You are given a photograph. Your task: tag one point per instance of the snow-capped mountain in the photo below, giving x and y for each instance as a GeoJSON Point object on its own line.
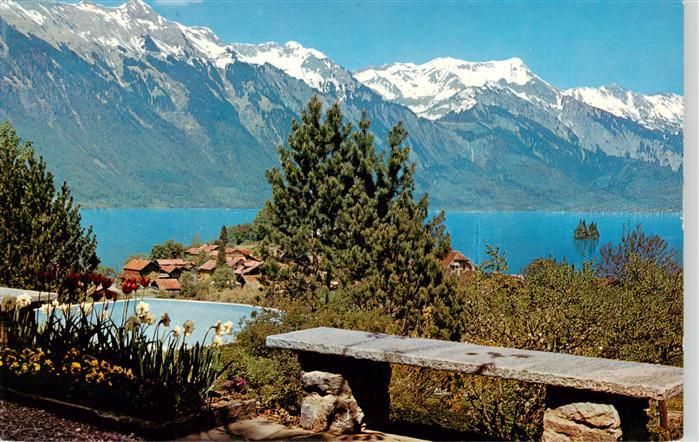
{"type": "Point", "coordinates": [661, 111]}
{"type": "Point", "coordinates": [120, 94]}
{"type": "Point", "coordinates": [134, 29]}
{"type": "Point", "coordinates": [425, 87]}
{"type": "Point", "coordinates": [309, 65]}
{"type": "Point", "coordinates": [445, 85]}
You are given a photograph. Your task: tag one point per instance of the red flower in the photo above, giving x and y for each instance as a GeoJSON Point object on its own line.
{"type": "Point", "coordinates": [107, 282]}
{"type": "Point", "coordinates": [129, 285]}
{"type": "Point", "coordinates": [145, 282]}
{"type": "Point", "coordinates": [110, 294]}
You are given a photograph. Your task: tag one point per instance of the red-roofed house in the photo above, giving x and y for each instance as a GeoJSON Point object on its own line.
{"type": "Point", "coordinates": [233, 262]}
{"type": "Point", "coordinates": [194, 251]}
{"type": "Point", "coordinates": [168, 284]}
{"type": "Point", "coordinates": [456, 263]}
{"type": "Point", "coordinates": [140, 268]}
{"type": "Point", "coordinates": [206, 270]}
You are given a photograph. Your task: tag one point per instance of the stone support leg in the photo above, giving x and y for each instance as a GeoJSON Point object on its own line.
{"type": "Point", "coordinates": [368, 381]}
{"type": "Point", "coordinates": [631, 411]}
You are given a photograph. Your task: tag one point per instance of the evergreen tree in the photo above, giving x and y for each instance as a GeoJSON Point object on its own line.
{"type": "Point", "coordinates": [497, 262]}
{"type": "Point", "coordinates": [345, 221]}
{"type": "Point", "coordinates": [580, 231]}
{"type": "Point", "coordinates": [223, 236]}
{"type": "Point", "coordinates": [41, 239]}
{"type": "Point", "coordinates": [221, 257]}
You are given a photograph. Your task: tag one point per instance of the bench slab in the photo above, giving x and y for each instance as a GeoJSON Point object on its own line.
{"type": "Point", "coordinates": [633, 379]}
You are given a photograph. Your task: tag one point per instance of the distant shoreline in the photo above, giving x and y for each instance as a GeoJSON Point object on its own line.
{"type": "Point", "coordinates": [432, 210]}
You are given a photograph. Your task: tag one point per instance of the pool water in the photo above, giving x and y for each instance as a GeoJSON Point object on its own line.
{"type": "Point", "coordinates": [204, 314]}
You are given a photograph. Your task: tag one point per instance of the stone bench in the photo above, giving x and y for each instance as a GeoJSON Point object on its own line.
{"type": "Point", "coordinates": [349, 364]}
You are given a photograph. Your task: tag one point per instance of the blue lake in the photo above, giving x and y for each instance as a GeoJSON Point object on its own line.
{"type": "Point", "coordinates": [522, 235]}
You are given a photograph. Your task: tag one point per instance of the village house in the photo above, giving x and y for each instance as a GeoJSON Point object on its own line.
{"type": "Point", "coordinates": [140, 268]}
{"type": "Point", "coordinates": [169, 285]}
{"type": "Point", "coordinates": [206, 270]}
{"type": "Point", "coordinates": [173, 268]}
{"type": "Point", "coordinates": [456, 263]}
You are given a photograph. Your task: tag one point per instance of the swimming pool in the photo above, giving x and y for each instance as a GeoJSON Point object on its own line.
{"type": "Point", "coordinates": [204, 314]}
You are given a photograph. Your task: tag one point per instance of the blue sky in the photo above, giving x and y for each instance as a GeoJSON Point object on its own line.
{"type": "Point", "coordinates": [573, 43]}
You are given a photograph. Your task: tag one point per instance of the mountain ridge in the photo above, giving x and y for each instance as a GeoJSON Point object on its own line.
{"type": "Point", "coordinates": [232, 103]}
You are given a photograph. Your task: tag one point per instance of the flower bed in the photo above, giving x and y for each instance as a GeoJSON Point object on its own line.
{"type": "Point", "coordinates": [136, 365]}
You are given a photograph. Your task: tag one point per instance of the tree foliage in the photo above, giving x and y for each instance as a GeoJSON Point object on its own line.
{"type": "Point", "coordinates": [586, 232]}
{"type": "Point", "coordinates": [168, 250]}
{"type": "Point", "coordinates": [345, 220]}
{"type": "Point", "coordinates": [497, 261]}
{"type": "Point", "coordinates": [41, 239]}
{"type": "Point", "coordinates": [615, 258]}
{"type": "Point", "coordinates": [240, 233]}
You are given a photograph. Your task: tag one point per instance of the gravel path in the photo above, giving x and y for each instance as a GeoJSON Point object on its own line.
{"type": "Point", "coordinates": [18, 422]}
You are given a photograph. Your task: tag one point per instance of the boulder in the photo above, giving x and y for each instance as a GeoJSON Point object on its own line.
{"type": "Point", "coordinates": [316, 411]}
{"type": "Point", "coordinates": [329, 404]}
{"type": "Point", "coordinates": [582, 421]}
{"type": "Point", "coordinates": [323, 382]}
{"type": "Point", "coordinates": [348, 416]}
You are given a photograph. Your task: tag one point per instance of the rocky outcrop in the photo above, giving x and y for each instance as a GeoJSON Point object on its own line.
{"type": "Point", "coordinates": [582, 421]}
{"type": "Point", "coordinates": [329, 404]}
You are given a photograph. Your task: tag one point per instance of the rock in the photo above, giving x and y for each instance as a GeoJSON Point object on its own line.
{"type": "Point", "coordinates": [240, 409]}
{"type": "Point", "coordinates": [323, 382]}
{"type": "Point", "coordinates": [316, 411]}
{"type": "Point", "coordinates": [329, 404]}
{"type": "Point", "coordinates": [582, 421]}
{"type": "Point", "coordinates": [347, 418]}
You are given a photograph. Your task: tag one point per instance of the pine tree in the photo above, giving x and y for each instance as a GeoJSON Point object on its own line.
{"type": "Point", "coordinates": [345, 220]}
{"type": "Point", "coordinates": [221, 257]}
{"type": "Point", "coordinates": [580, 231]}
{"type": "Point", "coordinates": [223, 236]}
{"type": "Point", "coordinates": [41, 238]}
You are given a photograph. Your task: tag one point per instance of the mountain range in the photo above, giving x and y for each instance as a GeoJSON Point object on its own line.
{"type": "Point", "coordinates": [136, 110]}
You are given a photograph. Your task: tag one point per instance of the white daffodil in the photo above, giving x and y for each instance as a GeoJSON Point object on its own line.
{"type": "Point", "coordinates": [228, 328]}
{"type": "Point", "coordinates": [23, 300]}
{"type": "Point", "coordinates": [54, 303]}
{"type": "Point", "coordinates": [142, 309]}
{"type": "Point", "coordinates": [65, 308]}
{"type": "Point", "coordinates": [165, 320]}
{"type": "Point", "coordinates": [217, 341]}
{"type": "Point", "coordinates": [9, 303]}
{"type": "Point", "coordinates": [177, 331]}
{"type": "Point", "coordinates": [149, 319]}
{"type": "Point", "coordinates": [188, 327]}
{"type": "Point", "coordinates": [131, 323]}
{"type": "Point", "coordinates": [218, 328]}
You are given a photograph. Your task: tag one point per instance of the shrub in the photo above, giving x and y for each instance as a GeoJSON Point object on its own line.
{"type": "Point", "coordinates": [223, 277]}
{"type": "Point", "coordinates": [616, 257]}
